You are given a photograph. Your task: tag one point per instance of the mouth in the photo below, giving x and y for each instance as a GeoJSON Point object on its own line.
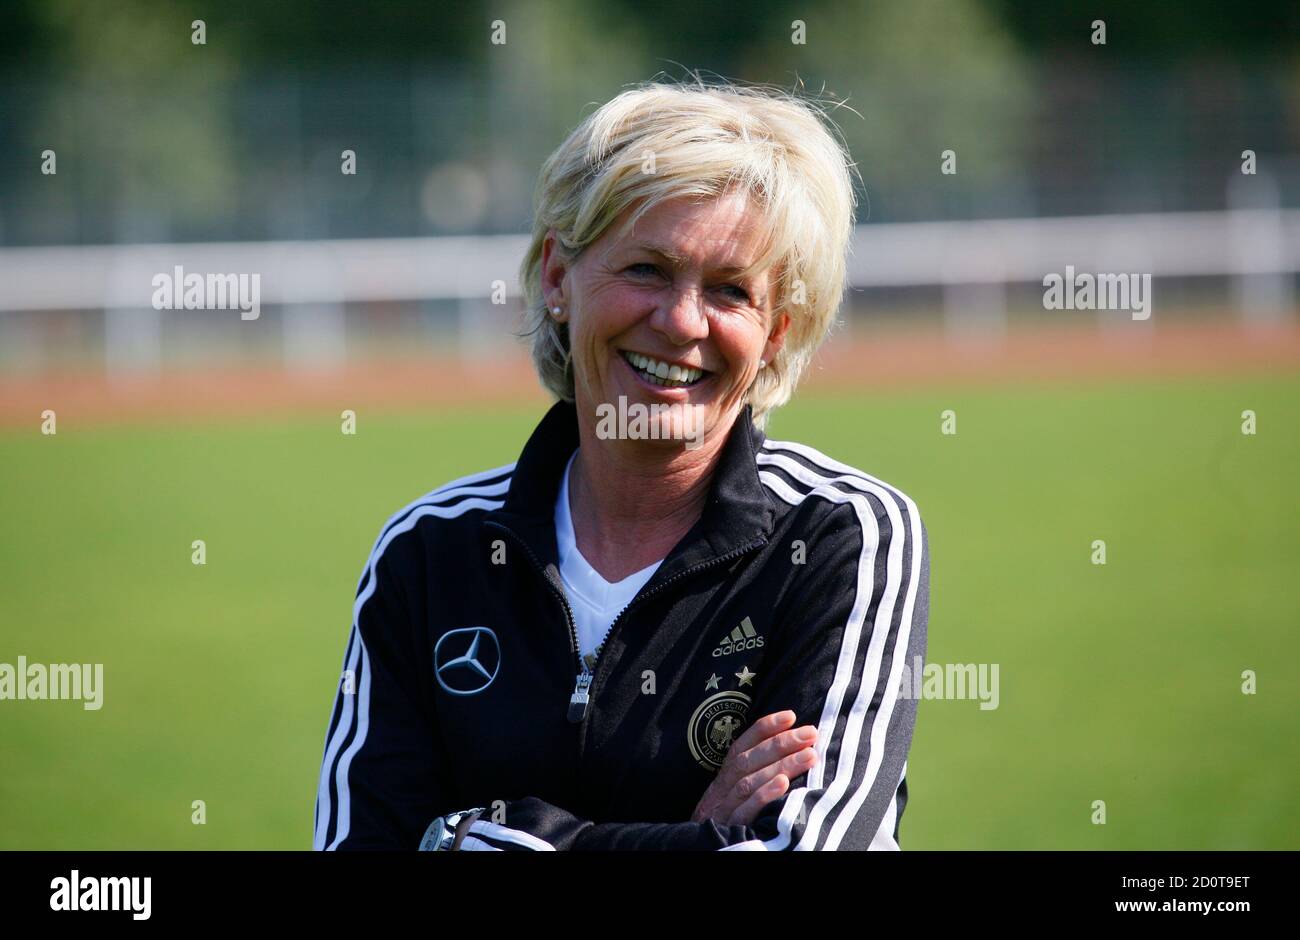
{"type": "Point", "coordinates": [663, 374]}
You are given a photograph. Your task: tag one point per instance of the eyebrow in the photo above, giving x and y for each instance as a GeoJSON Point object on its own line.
{"type": "Point", "coordinates": [666, 254]}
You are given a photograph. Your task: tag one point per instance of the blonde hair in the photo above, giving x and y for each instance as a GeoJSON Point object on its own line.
{"type": "Point", "coordinates": [704, 140]}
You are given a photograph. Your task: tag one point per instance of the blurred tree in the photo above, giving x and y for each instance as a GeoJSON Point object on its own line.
{"type": "Point", "coordinates": [309, 31]}
{"type": "Point", "coordinates": [1184, 30]}
{"type": "Point", "coordinates": [135, 107]}
{"type": "Point", "coordinates": [921, 79]}
{"type": "Point", "coordinates": [240, 137]}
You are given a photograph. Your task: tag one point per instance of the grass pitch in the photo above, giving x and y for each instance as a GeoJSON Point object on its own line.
{"type": "Point", "coordinates": [1119, 682]}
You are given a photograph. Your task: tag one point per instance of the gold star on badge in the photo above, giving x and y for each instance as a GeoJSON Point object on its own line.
{"type": "Point", "coordinates": [745, 676]}
{"type": "Point", "coordinates": [712, 683]}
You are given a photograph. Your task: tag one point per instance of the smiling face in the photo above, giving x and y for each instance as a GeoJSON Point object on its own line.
{"type": "Point", "coordinates": [660, 314]}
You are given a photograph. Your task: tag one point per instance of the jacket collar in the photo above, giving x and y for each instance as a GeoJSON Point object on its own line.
{"type": "Point", "coordinates": [737, 514]}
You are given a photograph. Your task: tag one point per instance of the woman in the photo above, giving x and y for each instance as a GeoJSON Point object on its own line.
{"type": "Point", "coordinates": [658, 629]}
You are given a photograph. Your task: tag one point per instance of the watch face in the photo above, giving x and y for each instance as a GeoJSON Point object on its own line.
{"type": "Point", "coordinates": [435, 837]}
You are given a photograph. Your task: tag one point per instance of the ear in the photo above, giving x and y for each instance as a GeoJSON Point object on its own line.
{"type": "Point", "coordinates": [553, 272]}
{"type": "Point", "coordinates": [776, 337]}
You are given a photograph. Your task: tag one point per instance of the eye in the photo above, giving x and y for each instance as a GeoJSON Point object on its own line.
{"type": "Point", "coordinates": [738, 292]}
{"type": "Point", "coordinates": [642, 269]}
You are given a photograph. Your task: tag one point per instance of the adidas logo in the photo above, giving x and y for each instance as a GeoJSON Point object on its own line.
{"type": "Point", "coordinates": [743, 637]}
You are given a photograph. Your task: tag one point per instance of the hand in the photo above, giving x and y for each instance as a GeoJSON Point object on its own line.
{"type": "Point", "coordinates": [467, 819]}
{"type": "Point", "coordinates": [758, 769]}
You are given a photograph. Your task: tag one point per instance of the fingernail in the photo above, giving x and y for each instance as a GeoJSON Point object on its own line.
{"type": "Point", "coordinates": [807, 756]}
{"type": "Point", "coordinates": [806, 734]}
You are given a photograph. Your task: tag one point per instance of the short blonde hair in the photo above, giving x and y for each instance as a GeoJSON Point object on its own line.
{"type": "Point", "coordinates": [704, 140]}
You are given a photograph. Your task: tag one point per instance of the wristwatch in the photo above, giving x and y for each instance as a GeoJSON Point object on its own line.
{"type": "Point", "coordinates": [441, 834]}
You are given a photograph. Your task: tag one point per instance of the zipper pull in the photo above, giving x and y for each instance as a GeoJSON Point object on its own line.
{"type": "Point", "coordinates": [578, 700]}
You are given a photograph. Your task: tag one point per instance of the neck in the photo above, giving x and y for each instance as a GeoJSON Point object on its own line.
{"type": "Point", "coordinates": [632, 501]}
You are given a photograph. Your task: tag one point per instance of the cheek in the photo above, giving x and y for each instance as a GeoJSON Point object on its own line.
{"type": "Point", "coordinates": [741, 344]}
{"type": "Point", "coordinates": [608, 311]}
{"type": "Point", "coordinates": [605, 313]}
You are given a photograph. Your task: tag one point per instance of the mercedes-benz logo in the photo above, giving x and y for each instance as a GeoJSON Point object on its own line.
{"type": "Point", "coordinates": [474, 669]}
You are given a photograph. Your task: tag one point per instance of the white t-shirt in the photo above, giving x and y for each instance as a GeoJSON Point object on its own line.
{"type": "Point", "coordinates": [595, 601]}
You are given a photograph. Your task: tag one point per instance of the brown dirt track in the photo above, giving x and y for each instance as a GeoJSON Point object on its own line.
{"type": "Point", "coordinates": [883, 359]}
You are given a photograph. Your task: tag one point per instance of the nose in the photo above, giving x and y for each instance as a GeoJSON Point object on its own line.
{"type": "Point", "coordinates": [681, 317]}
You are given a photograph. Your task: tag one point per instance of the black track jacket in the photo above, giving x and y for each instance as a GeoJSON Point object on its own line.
{"type": "Point", "coordinates": [804, 586]}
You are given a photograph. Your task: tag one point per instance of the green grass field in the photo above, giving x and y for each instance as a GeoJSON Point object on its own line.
{"type": "Point", "coordinates": [1119, 683]}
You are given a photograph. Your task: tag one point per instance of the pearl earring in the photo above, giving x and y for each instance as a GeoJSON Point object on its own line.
{"type": "Point", "coordinates": [555, 311]}
{"type": "Point", "coordinates": [762, 364]}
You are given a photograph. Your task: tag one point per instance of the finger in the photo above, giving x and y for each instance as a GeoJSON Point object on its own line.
{"type": "Point", "coordinates": [769, 744]}
{"type": "Point", "coordinates": [725, 805]}
{"type": "Point", "coordinates": [735, 765]}
{"type": "Point", "coordinates": [743, 773]}
{"type": "Point", "coordinates": [710, 802]}
{"type": "Point", "coordinates": [748, 811]}
{"type": "Point", "coordinates": [771, 750]}
{"type": "Point", "coordinates": [792, 766]}
{"type": "Point", "coordinates": [764, 728]}
{"type": "Point", "coordinates": [796, 765]}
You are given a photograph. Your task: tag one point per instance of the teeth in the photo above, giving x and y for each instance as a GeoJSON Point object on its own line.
{"type": "Point", "coordinates": [661, 373]}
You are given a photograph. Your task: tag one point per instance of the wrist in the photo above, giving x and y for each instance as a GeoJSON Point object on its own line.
{"type": "Point", "coordinates": [461, 827]}
{"type": "Point", "coordinates": [446, 833]}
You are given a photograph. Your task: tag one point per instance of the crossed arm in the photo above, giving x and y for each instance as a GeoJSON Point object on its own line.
{"type": "Point", "coordinates": [863, 615]}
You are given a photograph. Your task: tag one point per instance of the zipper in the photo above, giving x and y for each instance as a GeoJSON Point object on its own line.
{"type": "Point", "coordinates": [696, 569]}
{"type": "Point", "coordinates": [580, 699]}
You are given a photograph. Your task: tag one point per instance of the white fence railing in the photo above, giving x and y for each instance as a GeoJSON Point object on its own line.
{"type": "Point", "coordinates": [972, 261]}
{"type": "Point", "coordinates": [1002, 251]}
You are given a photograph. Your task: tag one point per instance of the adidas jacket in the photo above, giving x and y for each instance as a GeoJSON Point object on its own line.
{"type": "Point", "coordinates": [803, 586]}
